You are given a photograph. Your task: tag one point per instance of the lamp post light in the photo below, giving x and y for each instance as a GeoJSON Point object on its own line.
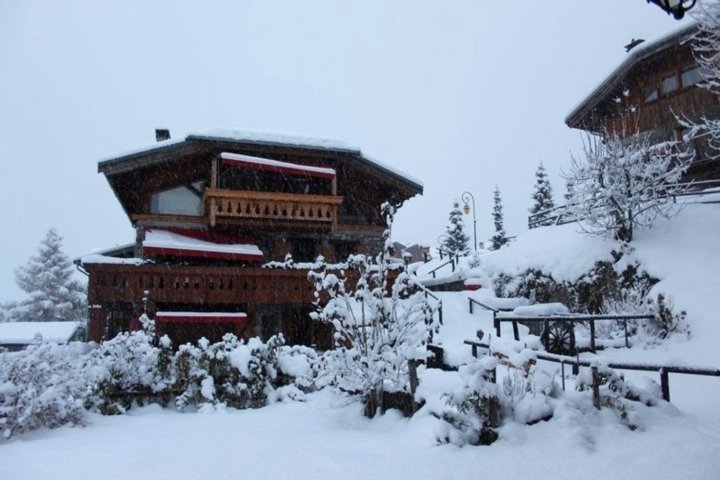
{"type": "Point", "coordinates": [676, 8]}
{"type": "Point", "coordinates": [466, 198]}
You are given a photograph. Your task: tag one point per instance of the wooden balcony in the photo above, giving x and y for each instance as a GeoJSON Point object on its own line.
{"type": "Point", "coordinates": [197, 285]}
{"type": "Point", "coordinates": [315, 210]}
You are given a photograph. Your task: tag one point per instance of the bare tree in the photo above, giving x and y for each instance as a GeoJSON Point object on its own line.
{"type": "Point", "coordinates": [624, 184]}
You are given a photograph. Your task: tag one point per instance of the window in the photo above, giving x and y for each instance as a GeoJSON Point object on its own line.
{"type": "Point", "coordinates": [669, 83]}
{"type": "Point", "coordinates": [651, 94]}
{"type": "Point", "coordinates": [690, 76]}
{"type": "Point", "coordinates": [185, 200]}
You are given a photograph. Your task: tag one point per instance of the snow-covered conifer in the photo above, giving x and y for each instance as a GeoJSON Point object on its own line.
{"type": "Point", "coordinates": [456, 241]}
{"type": "Point", "coordinates": [542, 196]}
{"type": "Point", "coordinates": [47, 279]}
{"type": "Point", "coordinates": [499, 238]}
{"type": "Point", "coordinates": [624, 184]}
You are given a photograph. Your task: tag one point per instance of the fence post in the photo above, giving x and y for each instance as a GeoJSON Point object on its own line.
{"type": "Point", "coordinates": [496, 324]}
{"type": "Point", "coordinates": [470, 305]}
{"type": "Point", "coordinates": [592, 336]}
{"type": "Point", "coordinates": [627, 344]}
{"type": "Point", "coordinates": [665, 384]}
{"type": "Point", "coordinates": [516, 332]}
{"type": "Point", "coordinates": [595, 386]}
{"type": "Point", "coordinates": [412, 370]}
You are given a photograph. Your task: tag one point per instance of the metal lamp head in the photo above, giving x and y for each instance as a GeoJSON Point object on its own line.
{"type": "Point", "coordinates": [676, 8]}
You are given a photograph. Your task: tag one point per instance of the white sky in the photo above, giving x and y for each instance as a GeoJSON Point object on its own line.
{"type": "Point", "coordinates": [461, 95]}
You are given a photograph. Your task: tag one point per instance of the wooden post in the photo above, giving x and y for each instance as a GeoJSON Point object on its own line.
{"type": "Point", "coordinates": [412, 370]}
{"type": "Point", "coordinates": [595, 386]}
{"type": "Point", "coordinates": [545, 338]}
{"type": "Point", "coordinates": [473, 347]}
{"type": "Point", "coordinates": [496, 324]}
{"type": "Point", "coordinates": [592, 336]}
{"type": "Point", "coordinates": [627, 344]}
{"type": "Point", "coordinates": [516, 332]}
{"type": "Point", "coordinates": [665, 384]}
{"type": "Point", "coordinates": [471, 305]}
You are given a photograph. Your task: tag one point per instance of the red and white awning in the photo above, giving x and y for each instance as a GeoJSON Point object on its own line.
{"type": "Point", "coordinates": [257, 163]}
{"type": "Point", "coordinates": [164, 242]}
{"type": "Point", "coordinates": [201, 317]}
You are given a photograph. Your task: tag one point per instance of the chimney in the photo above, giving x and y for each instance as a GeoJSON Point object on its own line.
{"type": "Point", "coordinates": [162, 134]}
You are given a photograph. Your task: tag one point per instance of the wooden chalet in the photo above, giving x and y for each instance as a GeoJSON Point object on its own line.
{"type": "Point", "coordinates": [212, 211]}
{"type": "Point", "coordinates": [645, 95]}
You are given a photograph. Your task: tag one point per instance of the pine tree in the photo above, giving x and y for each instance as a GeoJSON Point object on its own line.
{"type": "Point", "coordinates": [47, 279]}
{"type": "Point", "coordinates": [499, 238]}
{"type": "Point", "coordinates": [456, 241]}
{"type": "Point", "coordinates": [542, 196]}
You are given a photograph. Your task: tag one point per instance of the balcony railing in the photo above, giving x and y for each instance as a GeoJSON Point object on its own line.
{"type": "Point", "coordinates": [277, 206]}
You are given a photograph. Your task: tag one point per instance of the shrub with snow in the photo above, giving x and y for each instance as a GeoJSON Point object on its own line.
{"type": "Point", "coordinates": [41, 387]}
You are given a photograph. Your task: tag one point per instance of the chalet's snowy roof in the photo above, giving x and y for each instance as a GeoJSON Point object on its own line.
{"type": "Point", "coordinates": [24, 333]}
{"type": "Point", "coordinates": [270, 138]}
{"type": "Point", "coordinates": [276, 165]}
{"type": "Point", "coordinates": [169, 150]}
{"type": "Point", "coordinates": [610, 84]}
{"type": "Point", "coordinates": [163, 242]}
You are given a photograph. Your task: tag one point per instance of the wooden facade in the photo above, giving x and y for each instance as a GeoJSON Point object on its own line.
{"type": "Point", "coordinates": [211, 211]}
{"type": "Point", "coordinates": [646, 94]}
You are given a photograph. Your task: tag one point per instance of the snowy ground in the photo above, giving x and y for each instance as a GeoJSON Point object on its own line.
{"type": "Point", "coordinates": [327, 437]}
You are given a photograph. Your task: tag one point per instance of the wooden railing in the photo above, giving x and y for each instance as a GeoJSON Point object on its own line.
{"type": "Point", "coordinates": [277, 206]}
{"type": "Point", "coordinates": [197, 284]}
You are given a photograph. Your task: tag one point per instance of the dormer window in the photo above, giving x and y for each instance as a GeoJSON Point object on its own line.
{"type": "Point", "coordinates": [651, 94]}
{"type": "Point", "coordinates": [690, 76]}
{"type": "Point", "coordinates": [669, 83]}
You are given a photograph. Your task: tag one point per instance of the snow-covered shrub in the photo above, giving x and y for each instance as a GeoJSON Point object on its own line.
{"type": "Point", "coordinates": [533, 394]}
{"type": "Point", "coordinates": [376, 334]}
{"type": "Point", "coordinates": [472, 414]}
{"type": "Point", "coordinates": [125, 369]}
{"type": "Point", "coordinates": [42, 386]}
{"type": "Point", "coordinates": [665, 320]}
{"type": "Point", "coordinates": [620, 396]}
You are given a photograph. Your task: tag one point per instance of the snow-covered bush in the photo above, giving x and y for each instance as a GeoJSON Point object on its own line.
{"type": "Point", "coordinates": [472, 414]}
{"type": "Point", "coordinates": [128, 368]}
{"type": "Point", "coordinates": [376, 334]}
{"type": "Point", "coordinates": [42, 387]}
{"type": "Point", "coordinates": [620, 396]}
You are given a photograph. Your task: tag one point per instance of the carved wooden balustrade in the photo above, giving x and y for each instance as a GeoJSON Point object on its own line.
{"type": "Point", "coordinates": [276, 206]}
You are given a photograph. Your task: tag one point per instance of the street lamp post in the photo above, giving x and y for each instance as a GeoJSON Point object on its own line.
{"type": "Point", "coordinates": [466, 198]}
{"type": "Point", "coordinates": [676, 8]}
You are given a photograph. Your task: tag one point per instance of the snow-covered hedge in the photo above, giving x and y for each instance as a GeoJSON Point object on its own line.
{"type": "Point", "coordinates": [49, 385]}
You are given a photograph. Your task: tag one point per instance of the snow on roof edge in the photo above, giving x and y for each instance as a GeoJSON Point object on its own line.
{"type": "Point", "coordinates": [632, 57]}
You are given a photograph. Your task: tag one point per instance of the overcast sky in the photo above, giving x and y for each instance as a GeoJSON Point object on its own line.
{"type": "Point", "coordinates": [461, 95]}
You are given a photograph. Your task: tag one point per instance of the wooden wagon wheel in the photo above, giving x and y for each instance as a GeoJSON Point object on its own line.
{"type": "Point", "coordinates": [559, 337]}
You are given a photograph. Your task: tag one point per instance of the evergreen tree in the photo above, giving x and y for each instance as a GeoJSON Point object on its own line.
{"type": "Point", "coordinates": [542, 196]}
{"type": "Point", "coordinates": [499, 238]}
{"type": "Point", "coordinates": [456, 241]}
{"type": "Point", "coordinates": [47, 279]}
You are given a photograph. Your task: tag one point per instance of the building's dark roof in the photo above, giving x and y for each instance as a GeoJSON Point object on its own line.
{"type": "Point", "coordinates": [172, 150]}
{"type": "Point", "coordinates": [647, 51]}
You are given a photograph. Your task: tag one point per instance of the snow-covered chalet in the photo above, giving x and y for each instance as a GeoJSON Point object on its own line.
{"type": "Point", "coordinates": [213, 211]}
{"type": "Point", "coordinates": [656, 84]}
